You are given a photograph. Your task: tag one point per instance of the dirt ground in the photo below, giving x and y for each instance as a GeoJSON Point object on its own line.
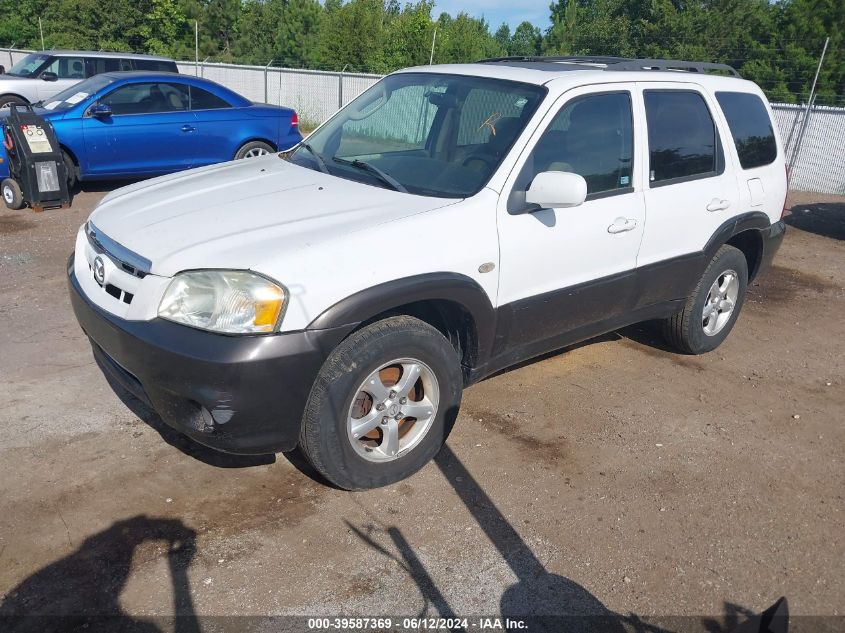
{"type": "Point", "coordinates": [614, 478]}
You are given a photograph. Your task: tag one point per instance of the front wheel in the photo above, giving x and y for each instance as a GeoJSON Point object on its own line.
{"type": "Point", "coordinates": [713, 308]}
{"type": "Point", "coordinates": [253, 149]}
{"type": "Point", "coordinates": [72, 171]}
{"type": "Point", "coordinates": [382, 405]}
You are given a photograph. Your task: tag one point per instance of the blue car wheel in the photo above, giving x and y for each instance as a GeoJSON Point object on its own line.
{"type": "Point", "coordinates": [253, 149]}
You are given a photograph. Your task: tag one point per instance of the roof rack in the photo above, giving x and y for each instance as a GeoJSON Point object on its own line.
{"type": "Point", "coordinates": [621, 63]}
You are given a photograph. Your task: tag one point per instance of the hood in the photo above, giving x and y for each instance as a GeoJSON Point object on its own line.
{"type": "Point", "coordinates": [42, 112]}
{"type": "Point", "coordinates": [243, 214]}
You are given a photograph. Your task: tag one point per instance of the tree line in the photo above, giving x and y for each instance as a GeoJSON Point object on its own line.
{"type": "Point", "coordinates": [776, 44]}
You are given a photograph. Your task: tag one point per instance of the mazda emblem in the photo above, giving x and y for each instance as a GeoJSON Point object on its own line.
{"type": "Point", "coordinates": [99, 270]}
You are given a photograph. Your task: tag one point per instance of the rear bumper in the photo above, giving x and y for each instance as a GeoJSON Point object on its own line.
{"type": "Point", "coordinates": [238, 394]}
{"type": "Point", "coordinates": [772, 239]}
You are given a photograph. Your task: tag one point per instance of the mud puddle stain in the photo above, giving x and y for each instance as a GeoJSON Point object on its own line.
{"type": "Point", "coordinates": [551, 452]}
{"type": "Point", "coordinates": [15, 224]}
{"type": "Point", "coordinates": [779, 284]}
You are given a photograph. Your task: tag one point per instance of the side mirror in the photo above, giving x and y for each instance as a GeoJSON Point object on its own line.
{"type": "Point", "coordinates": [100, 110]}
{"type": "Point", "coordinates": [48, 76]}
{"type": "Point", "coordinates": [557, 190]}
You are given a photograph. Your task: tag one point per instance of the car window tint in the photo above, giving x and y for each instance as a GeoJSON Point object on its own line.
{"type": "Point", "coordinates": [99, 65]}
{"type": "Point", "coordinates": [204, 100]}
{"type": "Point", "coordinates": [154, 65]}
{"type": "Point", "coordinates": [751, 128]}
{"type": "Point", "coordinates": [591, 136]}
{"type": "Point", "coordinates": [147, 98]}
{"type": "Point", "coordinates": [67, 67]}
{"type": "Point", "coordinates": [682, 138]}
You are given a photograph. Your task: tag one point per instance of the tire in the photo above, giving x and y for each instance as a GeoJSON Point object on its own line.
{"type": "Point", "coordinates": [12, 195]}
{"type": "Point", "coordinates": [72, 171]}
{"type": "Point", "coordinates": [254, 149]}
{"type": "Point", "coordinates": [338, 400]}
{"type": "Point", "coordinates": [693, 331]}
{"type": "Point", "coordinates": [8, 100]}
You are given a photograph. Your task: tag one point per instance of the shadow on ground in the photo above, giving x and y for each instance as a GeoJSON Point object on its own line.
{"type": "Point", "coordinates": [541, 600]}
{"type": "Point", "coordinates": [821, 218]}
{"type": "Point", "coordinates": [82, 590]}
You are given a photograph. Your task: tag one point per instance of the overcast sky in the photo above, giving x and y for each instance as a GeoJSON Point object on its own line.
{"type": "Point", "coordinates": [498, 11]}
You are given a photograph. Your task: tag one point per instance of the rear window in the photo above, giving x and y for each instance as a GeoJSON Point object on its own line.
{"type": "Point", "coordinates": [751, 128]}
{"type": "Point", "coordinates": [683, 142]}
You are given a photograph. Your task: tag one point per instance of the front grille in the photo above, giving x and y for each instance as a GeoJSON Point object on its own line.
{"type": "Point", "coordinates": [114, 291]}
{"type": "Point", "coordinates": [127, 262]}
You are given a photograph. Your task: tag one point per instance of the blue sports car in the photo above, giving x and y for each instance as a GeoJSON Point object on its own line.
{"type": "Point", "coordinates": [140, 124]}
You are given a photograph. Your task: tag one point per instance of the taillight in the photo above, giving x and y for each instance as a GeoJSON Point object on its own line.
{"type": "Point", "coordinates": [294, 120]}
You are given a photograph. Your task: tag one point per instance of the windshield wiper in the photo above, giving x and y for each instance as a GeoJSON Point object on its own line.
{"type": "Point", "coordinates": [321, 162]}
{"type": "Point", "coordinates": [386, 178]}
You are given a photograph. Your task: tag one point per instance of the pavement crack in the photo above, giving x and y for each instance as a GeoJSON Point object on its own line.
{"type": "Point", "coordinates": [67, 530]}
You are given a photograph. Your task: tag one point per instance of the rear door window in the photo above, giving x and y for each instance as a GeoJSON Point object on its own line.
{"type": "Point", "coordinates": [751, 128]}
{"type": "Point", "coordinates": [683, 141]}
{"type": "Point", "coordinates": [99, 65]}
{"type": "Point", "coordinates": [155, 65]}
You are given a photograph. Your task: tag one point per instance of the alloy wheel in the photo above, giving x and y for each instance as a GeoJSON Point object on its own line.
{"type": "Point", "coordinates": [393, 410]}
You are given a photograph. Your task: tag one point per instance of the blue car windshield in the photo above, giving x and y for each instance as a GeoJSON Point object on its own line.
{"type": "Point", "coordinates": [430, 134]}
{"type": "Point", "coordinates": [77, 93]}
{"type": "Point", "coordinates": [29, 65]}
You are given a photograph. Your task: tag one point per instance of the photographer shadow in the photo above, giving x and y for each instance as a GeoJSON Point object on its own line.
{"type": "Point", "coordinates": [82, 590]}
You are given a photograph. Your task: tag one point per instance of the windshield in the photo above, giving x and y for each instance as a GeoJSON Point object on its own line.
{"type": "Point", "coordinates": [424, 133]}
{"type": "Point", "coordinates": [77, 93]}
{"type": "Point", "coordinates": [29, 65]}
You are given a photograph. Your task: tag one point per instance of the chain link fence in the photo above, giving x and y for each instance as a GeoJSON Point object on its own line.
{"type": "Point", "coordinates": [814, 139]}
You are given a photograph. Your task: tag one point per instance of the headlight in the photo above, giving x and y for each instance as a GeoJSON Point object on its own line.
{"type": "Point", "coordinates": [228, 301]}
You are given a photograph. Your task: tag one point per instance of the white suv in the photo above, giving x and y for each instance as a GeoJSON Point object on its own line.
{"type": "Point", "coordinates": [449, 222]}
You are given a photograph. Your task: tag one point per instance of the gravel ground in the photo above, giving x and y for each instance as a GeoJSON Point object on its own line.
{"type": "Point", "coordinates": [614, 478]}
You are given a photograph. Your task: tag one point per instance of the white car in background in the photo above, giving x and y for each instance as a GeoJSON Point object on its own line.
{"type": "Point", "coordinates": [39, 76]}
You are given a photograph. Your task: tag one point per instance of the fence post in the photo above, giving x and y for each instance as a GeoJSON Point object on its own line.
{"type": "Point", "coordinates": [266, 87]}
{"type": "Point", "coordinates": [340, 87]}
{"type": "Point", "coordinates": [810, 102]}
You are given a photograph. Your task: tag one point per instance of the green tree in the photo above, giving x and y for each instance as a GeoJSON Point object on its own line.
{"type": "Point", "coordinates": [503, 38]}
{"type": "Point", "coordinates": [526, 41]}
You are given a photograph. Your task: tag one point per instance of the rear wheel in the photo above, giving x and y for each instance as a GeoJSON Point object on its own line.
{"type": "Point", "coordinates": [7, 100]}
{"type": "Point", "coordinates": [711, 312]}
{"type": "Point", "coordinates": [253, 149]}
{"type": "Point", "coordinates": [383, 404]}
{"type": "Point", "coordinates": [12, 195]}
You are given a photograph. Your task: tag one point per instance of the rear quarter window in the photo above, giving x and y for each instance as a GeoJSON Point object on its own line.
{"type": "Point", "coordinates": [751, 128]}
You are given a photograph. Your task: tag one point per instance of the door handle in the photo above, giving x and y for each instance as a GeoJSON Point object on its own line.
{"type": "Point", "coordinates": [188, 128]}
{"type": "Point", "coordinates": [621, 225]}
{"type": "Point", "coordinates": [718, 205]}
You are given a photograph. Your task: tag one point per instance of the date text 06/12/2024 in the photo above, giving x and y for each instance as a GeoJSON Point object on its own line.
{"type": "Point", "coordinates": [416, 624]}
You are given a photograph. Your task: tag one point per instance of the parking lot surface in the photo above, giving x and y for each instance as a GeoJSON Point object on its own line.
{"type": "Point", "coordinates": [616, 477]}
